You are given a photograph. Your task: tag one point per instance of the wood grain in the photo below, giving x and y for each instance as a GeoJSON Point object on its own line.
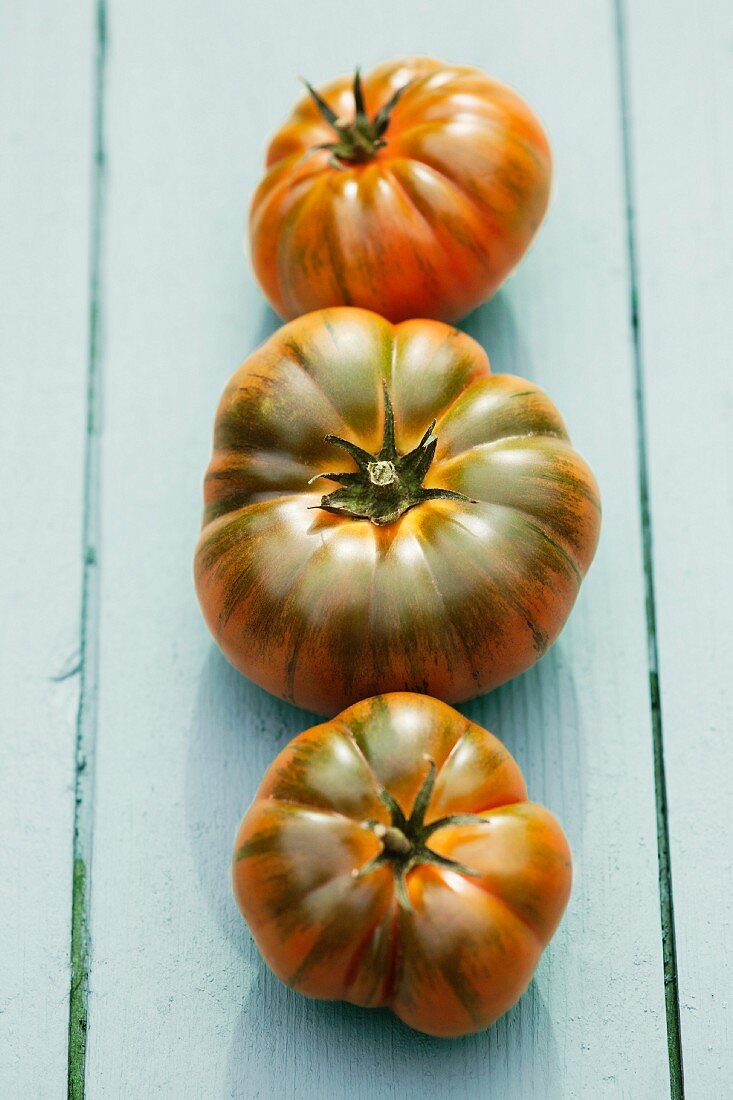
{"type": "Point", "coordinates": [45, 155]}
{"type": "Point", "coordinates": [681, 87]}
{"type": "Point", "coordinates": [180, 1003]}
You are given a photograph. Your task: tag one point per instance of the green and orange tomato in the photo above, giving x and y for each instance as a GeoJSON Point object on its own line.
{"type": "Point", "coordinates": [382, 513]}
{"type": "Point", "coordinates": [391, 858]}
{"type": "Point", "coordinates": [414, 193]}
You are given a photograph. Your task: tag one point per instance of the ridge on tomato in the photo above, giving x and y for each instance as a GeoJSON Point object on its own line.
{"type": "Point", "coordinates": [414, 193]}
{"type": "Point", "coordinates": [391, 858]}
{"type": "Point", "coordinates": [447, 551]}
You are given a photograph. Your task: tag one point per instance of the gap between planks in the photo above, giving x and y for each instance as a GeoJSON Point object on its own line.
{"type": "Point", "coordinates": [86, 722]}
{"type": "Point", "coordinates": [666, 897]}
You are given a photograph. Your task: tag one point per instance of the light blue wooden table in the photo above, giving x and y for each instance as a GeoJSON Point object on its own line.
{"type": "Point", "coordinates": [132, 137]}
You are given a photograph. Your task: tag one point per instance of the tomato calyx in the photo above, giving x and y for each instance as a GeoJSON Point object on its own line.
{"type": "Point", "coordinates": [360, 140]}
{"type": "Point", "coordinates": [404, 841]}
{"type": "Point", "coordinates": [386, 484]}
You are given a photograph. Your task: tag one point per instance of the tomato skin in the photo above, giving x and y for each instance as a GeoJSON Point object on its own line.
{"type": "Point", "coordinates": [431, 226]}
{"type": "Point", "coordinates": [453, 598]}
{"type": "Point", "coordinates": [463, 949]}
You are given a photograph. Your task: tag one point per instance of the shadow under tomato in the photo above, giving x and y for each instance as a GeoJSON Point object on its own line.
{"type": "Point", "coordinates": [286, 1045]}
{"type": "Point", "coordinates": [237, 730]}
{"type": "Point", "coordinates": [494, 327]}
{"type": "Point", "coordinates": [269, 323]}
{"type": "Point", "coordinates": [538, 717]}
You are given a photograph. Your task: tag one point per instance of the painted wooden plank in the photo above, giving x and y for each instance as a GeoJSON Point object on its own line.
{"type": "Point", "coordinates": [681, 86]}
{"type": "Point", "coordinates": [46, 57]}
{"type": "Point", "coordinates": [180, 1004]}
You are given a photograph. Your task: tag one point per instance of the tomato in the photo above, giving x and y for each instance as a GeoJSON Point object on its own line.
{"type": "Point", "coordinates": [390, 857]}
{"type": "Point", "coordinates": [414, 194]}
{"type": "Point", "coordinates": [450, 546]}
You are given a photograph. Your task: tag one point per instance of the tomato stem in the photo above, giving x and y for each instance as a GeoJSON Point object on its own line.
{"type": "Point", "coordinates": [393, 839]}
{"type": "Point", "coordinates": [404, 841]}
{"type": "Point", "coordinates": [359, 140]}
{"type": "Point", "coordinates": [386, 485]}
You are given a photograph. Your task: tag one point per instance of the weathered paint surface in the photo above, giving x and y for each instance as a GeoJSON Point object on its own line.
{"type": "Point", "coordinates": [46, 71]}
{"type": "Point", "coordinates": [179, 1002]}
{"type": "Point", "coordinates": [681, 81]}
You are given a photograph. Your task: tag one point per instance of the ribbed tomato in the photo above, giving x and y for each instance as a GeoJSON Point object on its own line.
{"type": "Point", "coordinates": [452, 552]}
{"type": "Point", "coordinates": [414, 194]}
{"type": "Point", "coordinates": [391, 857]}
